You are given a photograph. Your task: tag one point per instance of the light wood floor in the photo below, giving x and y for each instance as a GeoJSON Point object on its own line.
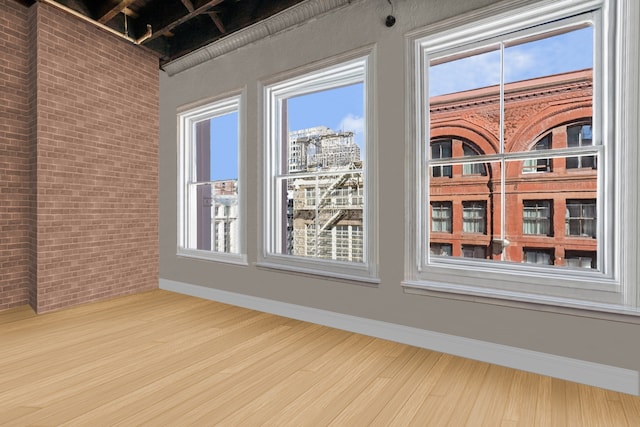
{"type": "Point", "coordinates": [160, 358]}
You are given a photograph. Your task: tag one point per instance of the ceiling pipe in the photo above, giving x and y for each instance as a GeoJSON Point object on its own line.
{"type": "Point", "coordinates": [99, 24]}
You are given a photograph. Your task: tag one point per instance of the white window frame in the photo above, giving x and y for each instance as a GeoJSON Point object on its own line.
{"type": "Point", "coordinates": [343, 70]}
{"type": "Point", "coordinates": [615, 110]}
{"type": "Point", "coordinates": [188, 116]}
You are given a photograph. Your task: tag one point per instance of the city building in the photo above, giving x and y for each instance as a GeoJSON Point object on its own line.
{"type": "Point", "coordinates": [550, 203]}
{"type": "Point", "coordinates": [325, 215]}
{"type": "Point", "coordinates": [223, 203]}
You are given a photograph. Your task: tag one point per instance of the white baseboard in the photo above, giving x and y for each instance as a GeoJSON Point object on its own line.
{"type": "Point", "coordinates": [580, 371]}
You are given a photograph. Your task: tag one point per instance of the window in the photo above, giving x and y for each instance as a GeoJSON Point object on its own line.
{"type": "Point", "coordinates": [581, 218]}
{"type": "Point", "coordinates": [539, 165]}
{"type": "Point", "coordinates": [342, 242]}
{"type": "Point", "coordinates": [580, 259]}
{"type": "Point", "coordinates": [318, 191]}
{"type": "Point", "coordinates": [441, 150]}
{"type": "Point", "coordinates": [349, 242]}
{"type": "Point", "coordinates": [441, 249]}
{"type": "Point", "coordinates": [570, 96]}
{"type": "Point", "coordinates": [474, 251]}
{"type": "Point", "coordinates": [441, 217]}
{"type": "Point", "coordinates": [580, 136]}
{"type": "Point", "coordinates": [474, 217]}
{"type": "Point", "coordinates": [538, 256]}
{"type": "Point", "coordinates": [210, 195]}
{"type": "Point", "coordinates": [536, 218]}
{"type": "Point", "coordinates": [472, 168]}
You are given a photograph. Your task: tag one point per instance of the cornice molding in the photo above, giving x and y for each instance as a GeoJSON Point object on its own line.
{"type": "Point", "coordinates": [283, 21]}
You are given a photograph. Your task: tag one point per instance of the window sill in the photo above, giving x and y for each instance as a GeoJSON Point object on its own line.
{"type": "Point", "coordinates": [235, 259]}
{"type": "Point", "coordinates": [309, 271]}
{"type": "Point", "coordinates": [524, 301]}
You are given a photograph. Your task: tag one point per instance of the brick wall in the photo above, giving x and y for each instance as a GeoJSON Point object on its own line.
{"type": "Point", "coordinates": [97, 163]}
{"type": "Point", "coordinates": [81, 163]}
{"type": "Point", "coordinates": [14, 155]}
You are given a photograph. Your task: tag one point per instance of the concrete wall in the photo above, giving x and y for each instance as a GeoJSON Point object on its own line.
{"type": "Point", "coordinates": [81, 161]}
{"type": "Point", "coordinates": [574, 335]}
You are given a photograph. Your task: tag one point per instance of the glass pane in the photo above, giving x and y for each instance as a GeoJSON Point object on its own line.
{"type": "Point", "coordinates": [470, 72]}
{"type": "Point", "coordinates": [537, 217]}
{"type": "Point", "coordinates": [548, 55]}
{"type": "Point", "coordinates": [464, 212]}
{"type": "Point", "coordinates": [539, 165]}
{"type": "Point", "coordinates": [325, 216]}
{"type": "Point", "coordinates": [474, 217]}
{"type": "Point", "coordinates": [213, 199]}
{"type": "Point", "coordinates": [580, 135]}
{"type": "Point", "coordinates": [213, 211]}
{"type": "Point", "coordinates": [326, 130]}
{"type": "Point", "coordinates": [224, 147]}
{"type": "Point", "coordinates": [548, 83]}
{"type": "Point", "coordinates": [550, 216]}
{"type": "Point", "coordinates": [464, 108]}
{"type": "Point", "coordinates": [441, 217]}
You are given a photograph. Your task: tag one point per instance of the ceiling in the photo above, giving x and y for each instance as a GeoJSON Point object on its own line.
{"type": "Point", "coordinates": [178, 27]}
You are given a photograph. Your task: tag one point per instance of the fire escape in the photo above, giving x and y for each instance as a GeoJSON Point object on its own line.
{"type": "Point", "coordinates": [323, 201]}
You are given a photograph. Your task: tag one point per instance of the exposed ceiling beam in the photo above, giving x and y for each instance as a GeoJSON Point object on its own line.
{"type": "Point", "coordinates": [216, 20]}
{"type": "Point", "coordinates": [130, 13]}
{"type": "Point", "coordinates": [188, 4]}
{"type": "Point", "coordinates": [111, 13]}
{"type": "Point", "coordinates": [173, 24]}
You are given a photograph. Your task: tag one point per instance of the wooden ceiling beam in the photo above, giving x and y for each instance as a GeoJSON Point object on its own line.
{"type": "Point", "coordinates": [188, 4]}
{"type": "Point", "coordinates": [216, 20]}
{"type": "Point", "coordinates": [130, 13]}
{"type": "Point", "coordinates": [111, 13]}
{"type": "Point", "coordinates": [158, 32]}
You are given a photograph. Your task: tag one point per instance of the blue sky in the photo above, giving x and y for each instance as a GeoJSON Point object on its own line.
{"type": "Point", "coordinates": [558, 54]}
{"type": "Point", "coordinates": [339, 109]}
{"type": "Point", "coordinates": [224, 147]}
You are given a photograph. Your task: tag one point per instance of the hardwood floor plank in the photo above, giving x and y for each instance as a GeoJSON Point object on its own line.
{"type": "Point", "coordinates": [429, 377]}
{"type": "Point", "coordinates": [334, 365]}
{"type": "Point", "coordinates": [405, 384]}
{"type": "Point", "coordinates": [521, 405]}
{"type": "Point", "coordinates": [492, 399]}
{"type": "Point", "coordinates": [573, 405]}
{"type": "Point", "coordinates": [160, 358]}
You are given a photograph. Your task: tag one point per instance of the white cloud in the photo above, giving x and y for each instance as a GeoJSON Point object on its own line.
{"type": "Point", "coordinates": [465, 74]}
{"type": "Point", "coordinates": [520, 62]}
{"type": "Point", "coordinates": [552, 55]}
{"type": "Point", "coordinates": [352, 123]}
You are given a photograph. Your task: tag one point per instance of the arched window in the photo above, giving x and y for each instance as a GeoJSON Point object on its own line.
{"type": "Point", "coordinates": [472, 168]}
{"type": "Point", "coordinates": [580, 136]}
{"type": "Point", "coordinates": [441, 150]}
{"type": "Point", "coordinates": [539, 165]}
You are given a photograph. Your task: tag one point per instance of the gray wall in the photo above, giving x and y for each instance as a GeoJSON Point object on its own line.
{"type": "Point", "coordinates": [576, 335]}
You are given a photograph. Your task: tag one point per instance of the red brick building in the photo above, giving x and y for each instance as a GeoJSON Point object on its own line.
{"type": "Point", "coordinates": [549, 203]}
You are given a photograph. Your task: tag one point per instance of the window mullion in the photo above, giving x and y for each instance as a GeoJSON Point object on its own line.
{"type": "Point", "coordinates": [503, 168]}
